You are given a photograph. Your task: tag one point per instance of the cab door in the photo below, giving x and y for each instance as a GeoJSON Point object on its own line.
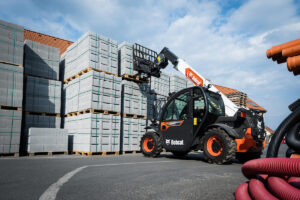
{"type": "Point", "coordinates": [176, 124]}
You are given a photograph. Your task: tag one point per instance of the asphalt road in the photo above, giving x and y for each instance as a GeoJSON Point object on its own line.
{"type": "Point", "coordinates": [117, 177]}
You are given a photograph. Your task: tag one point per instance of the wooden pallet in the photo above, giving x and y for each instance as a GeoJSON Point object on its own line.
{"type": "Point", "coordinates": [135, 78]}
{"type": "Point", "coordinates": [10, 63]}
{"type": "Point", "coordinates": [130, 152]}
{"type": "Point", "coordinates": [48, 153]}
{"type": "Point", "coordinates": [104, 153]}
{"type": "Point", "coordinates": [134, 116]}
{"type": "Point", "coordinates": [43, 114]}
{"type": "Point", "coordinates": [92, 110]}
{"type": "Point", "coordinates": [9, 154]}
{"type": "Point", "coordinates": [84, 71]}
{"type": "Point", "coordinates": [10, 108]}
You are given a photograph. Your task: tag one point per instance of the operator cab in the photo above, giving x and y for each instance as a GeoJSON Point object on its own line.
{"type": "Point", "coordinates": [184, 114]}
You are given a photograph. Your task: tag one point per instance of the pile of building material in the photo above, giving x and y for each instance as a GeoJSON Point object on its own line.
{"type": "Point", "coordinates": [126, 59]}
{"type": "Point", "coordinates": [93, 90]}
{"type": "Point", "coordinates": [94, 133]}
{"type": "Point", "coordinates": [93, 96]}
{"type": "Point", "coordinates": [134, 101]}
{"type": "Point", "coordinates": [41, 60]}
{"type": "Point", "coordinates": [11, 43]}
{"type": "Point", "coordinates": [11, 86]}
{"type": "Point", "coordinates": [161, 85]}
{"type": "Point", "coordinates": [239, 98]}
{"type": "Point", "coordinates": [10, 131]}
{"type": "Point", "coordinates": [94, 51]}
{"type": "Point", "coordinates": [47, 140]}
{"type": "Point", "coordinates": [132, 130]}
{"type": "Point", "coordinates": [177, 83]}
{"type": "Point", "coordinates": [42, 97]}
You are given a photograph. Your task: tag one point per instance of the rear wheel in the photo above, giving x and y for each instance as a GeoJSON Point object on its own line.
{"type": "Point", "coordinates": [218, 148]}
{"type": "Point", "coordinates": [151, 145]}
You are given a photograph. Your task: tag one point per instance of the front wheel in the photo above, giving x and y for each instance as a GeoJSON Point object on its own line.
{"type": "Point", "coordinates": [218, 148]}
{"type": "Point", "coordinates": [151, 145]}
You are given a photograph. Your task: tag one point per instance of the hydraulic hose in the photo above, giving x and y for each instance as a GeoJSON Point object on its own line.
{"type": "Point", "coordinates": [280, 132]}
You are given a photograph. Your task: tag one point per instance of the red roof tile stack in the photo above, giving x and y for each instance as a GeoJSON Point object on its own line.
{"type": "Point", "coordinates": [250, 103]}
{"type": "Point", "coordinates": [287, 52]}
{"type": "Point", "coordinates": [47, 40]}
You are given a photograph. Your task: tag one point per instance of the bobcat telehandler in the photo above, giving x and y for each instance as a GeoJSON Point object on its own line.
{"type": "Point", "coordinates": [199, 117]}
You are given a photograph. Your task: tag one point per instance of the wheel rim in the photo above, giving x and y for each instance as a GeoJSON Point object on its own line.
{"type": "Point", "coordinates": [148, 144]}
{"type": "Point", "coordinates": [214, 146]}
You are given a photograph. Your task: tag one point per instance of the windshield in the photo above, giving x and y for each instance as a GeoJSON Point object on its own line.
{"type": "Point", "coordinates": [215, 104]}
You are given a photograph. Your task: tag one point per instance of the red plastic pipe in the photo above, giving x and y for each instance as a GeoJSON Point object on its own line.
{"type": "Point", "coordinates": [258, 191]}
{"type": "Point", "coordinates": [294, 181]}
{"type": "Point", "coordinates": [282, 189]}
{"type": "Point", "coordinates": [272, 167]}
{"type": "Point", "coordinates": [242, 193]}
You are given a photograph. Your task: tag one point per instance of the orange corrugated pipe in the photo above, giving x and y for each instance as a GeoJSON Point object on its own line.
{"type": "Point", "coordinates": [292, 51]}
{"type": "Point", "coordinates": [277, 49]}
{"type": "Point", "coordinates": [293, 63]}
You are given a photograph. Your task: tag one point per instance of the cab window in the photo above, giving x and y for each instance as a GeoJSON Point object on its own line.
{"type": "Point", "coordinates": [178, 109]}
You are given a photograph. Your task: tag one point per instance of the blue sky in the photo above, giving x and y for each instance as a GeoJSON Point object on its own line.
{"type": "Point", "coordinates": [224, 40]}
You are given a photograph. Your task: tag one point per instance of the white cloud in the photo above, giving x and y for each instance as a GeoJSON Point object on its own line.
{"type": "Point", "coordinates": [229, 48]}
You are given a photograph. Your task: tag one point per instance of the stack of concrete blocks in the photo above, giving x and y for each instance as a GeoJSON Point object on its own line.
{"type": "Point", "coordinates": [10, 131]}
{"type": "Point", "coordinates": [41, 60]}
{"type": "Point", "coordinates": [47, 140]}
{"type": "Point", "coordinates": [43, 89]}
{"type": "Point", "coordinates": [93, 132]}
{"type": "Point", "coordinates": [132, 131]}
{"type": "Point", "coordinates": [11, 86]}
{"type": "Point", "coordinates": [177, 83]}
{"type": "Point", "coordinates": [42, 95]}
{"type": "Point", "coordinates": [161, 86]}
{"type": "Point", "coordinates": [92, 50]}
{"type": "Point", "coordinates": [126, 59]}
{"type": "Point", "coordinates": [11, 43]}
{"type": "Point", "coordinates": [96, 90]}
{"type": "Point", "coordinates": [134, 98]}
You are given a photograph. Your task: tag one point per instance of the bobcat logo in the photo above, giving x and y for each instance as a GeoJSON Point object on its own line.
{"type": "Point", "coordinates": [168, 141]}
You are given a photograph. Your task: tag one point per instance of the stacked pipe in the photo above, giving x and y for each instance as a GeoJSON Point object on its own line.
{"type": "Point", "coordinates": [11, 86]}
{"type": "Point", "coordinates": [92, 95]}
{"type": "Point", "coordinates": [270, 178]}
{"type": "Point", "coordinates": [42, 93]}
{"type": "Point", "coordinates": [287, 52]}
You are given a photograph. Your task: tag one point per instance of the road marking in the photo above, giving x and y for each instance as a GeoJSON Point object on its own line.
{"type": "Point", "coordinates": [51, 192]}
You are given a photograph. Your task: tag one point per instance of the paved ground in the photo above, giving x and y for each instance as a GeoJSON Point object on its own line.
{"type": "Point", "coordinates": [117, 177]}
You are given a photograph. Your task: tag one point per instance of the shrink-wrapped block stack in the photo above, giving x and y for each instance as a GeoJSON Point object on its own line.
{"type": "Point", "coordinates": [47, 140]}
{"type": "Point", "coordinates": [94, 132]}
{"type": "Point", "coordinates": [11, 86]}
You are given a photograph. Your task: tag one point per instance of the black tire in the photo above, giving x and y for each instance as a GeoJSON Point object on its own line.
{"type": "Point", "coordinates": [221, 150]}
{"type": "Point", "coordinates": [244, 157]}
{"type": "Point", "coordinates": [153, 147]}
{"type": "Point", "coordinates": [180, 153]}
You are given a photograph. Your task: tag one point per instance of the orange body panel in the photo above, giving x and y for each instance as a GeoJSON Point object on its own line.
{"type": "Point", "coordinates": [170, 124]}
{"type": "Point", "coordinates": [295, 156]}
{"type": "Point", "coordinates": [248, 143]}
{"type": "Point", "coordinates": [193, 77]}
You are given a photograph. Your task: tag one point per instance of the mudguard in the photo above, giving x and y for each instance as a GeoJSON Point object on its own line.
{"type": "Point", "coordinates": [230, 131]}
